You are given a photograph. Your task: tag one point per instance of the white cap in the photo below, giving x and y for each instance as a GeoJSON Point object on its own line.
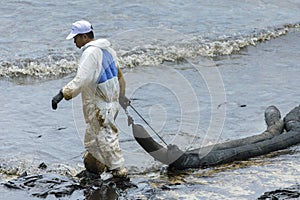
{"type": "Point", "coordinates": [80, 27]}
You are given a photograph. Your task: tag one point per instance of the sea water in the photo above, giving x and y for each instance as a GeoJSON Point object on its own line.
{"type": "Point", "coordinates": [198, 72]}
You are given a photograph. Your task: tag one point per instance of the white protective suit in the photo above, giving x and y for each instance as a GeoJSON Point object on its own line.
{"type": "Point", "coordinates": [97, 81]}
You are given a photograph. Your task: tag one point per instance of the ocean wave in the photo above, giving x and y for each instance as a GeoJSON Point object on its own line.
{"type": "Point", "coordinates": [146, 54]}
{"type": "Point", "coordinates": [224, 45]}
{"type": "Point", "coordinates": [36, 69]}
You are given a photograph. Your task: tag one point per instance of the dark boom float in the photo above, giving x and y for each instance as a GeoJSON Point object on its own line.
{"type": "Point", "coordinates": [280, 134]}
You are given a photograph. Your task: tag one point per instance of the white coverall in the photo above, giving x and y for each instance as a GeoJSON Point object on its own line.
{"type": "Point", "coordinates": [97, 81]}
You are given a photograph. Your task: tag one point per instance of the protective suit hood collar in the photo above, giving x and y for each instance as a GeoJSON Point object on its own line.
{"type": "Point", "coordinates": [101, 43]}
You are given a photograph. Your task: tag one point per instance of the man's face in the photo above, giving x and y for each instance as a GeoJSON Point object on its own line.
{"type": "Point", "coordinates": [80, 40]}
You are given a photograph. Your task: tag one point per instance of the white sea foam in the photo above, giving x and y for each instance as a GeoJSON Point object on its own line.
{"type": "Point", "coordinates": [146, 54]}
{"type": "Point", "coordinates": [36, 69]}
{"type": "Point", "coordinates": [226, 45]}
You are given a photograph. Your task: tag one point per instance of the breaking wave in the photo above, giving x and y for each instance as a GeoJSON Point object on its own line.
{"type": "Point", "coordinates": [144, 55]}
{"type": "Point", "coordinates": [33, 68]}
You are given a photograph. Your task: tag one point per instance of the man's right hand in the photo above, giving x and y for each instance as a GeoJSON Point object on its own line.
{"type": "Point", "coordinates": [124, 102]}
{"type": "Point", "coordinates": [56, 99]}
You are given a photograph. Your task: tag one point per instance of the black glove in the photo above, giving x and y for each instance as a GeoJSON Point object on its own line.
{"type": "Point", "coordinates": [56, 99]}
{"type": "Point", "coordinates": [124, 102]}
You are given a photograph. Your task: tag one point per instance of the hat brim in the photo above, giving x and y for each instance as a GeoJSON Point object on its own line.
{"type": "Point", "coordinates": [71, 35]}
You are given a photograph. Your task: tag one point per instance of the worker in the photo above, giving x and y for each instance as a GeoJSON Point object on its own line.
{"type": "Point", "coordinates": [100, 81]}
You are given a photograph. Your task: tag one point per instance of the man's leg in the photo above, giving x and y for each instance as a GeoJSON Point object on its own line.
{"type": "Point", "coordinates": [92, 165]}
{"type": "Point", "coordinates": [102, 141]}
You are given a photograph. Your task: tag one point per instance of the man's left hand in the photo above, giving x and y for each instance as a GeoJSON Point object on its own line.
{"type": "Point", "coordinates": [124, 102]}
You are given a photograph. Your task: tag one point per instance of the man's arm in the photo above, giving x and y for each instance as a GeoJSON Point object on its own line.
{"type": "Point", "coordinates": [83, 76]}
{"type": "Point", "coordinates": [123, 100]}
{"type": "Point", "coordinates": [122, 82]}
